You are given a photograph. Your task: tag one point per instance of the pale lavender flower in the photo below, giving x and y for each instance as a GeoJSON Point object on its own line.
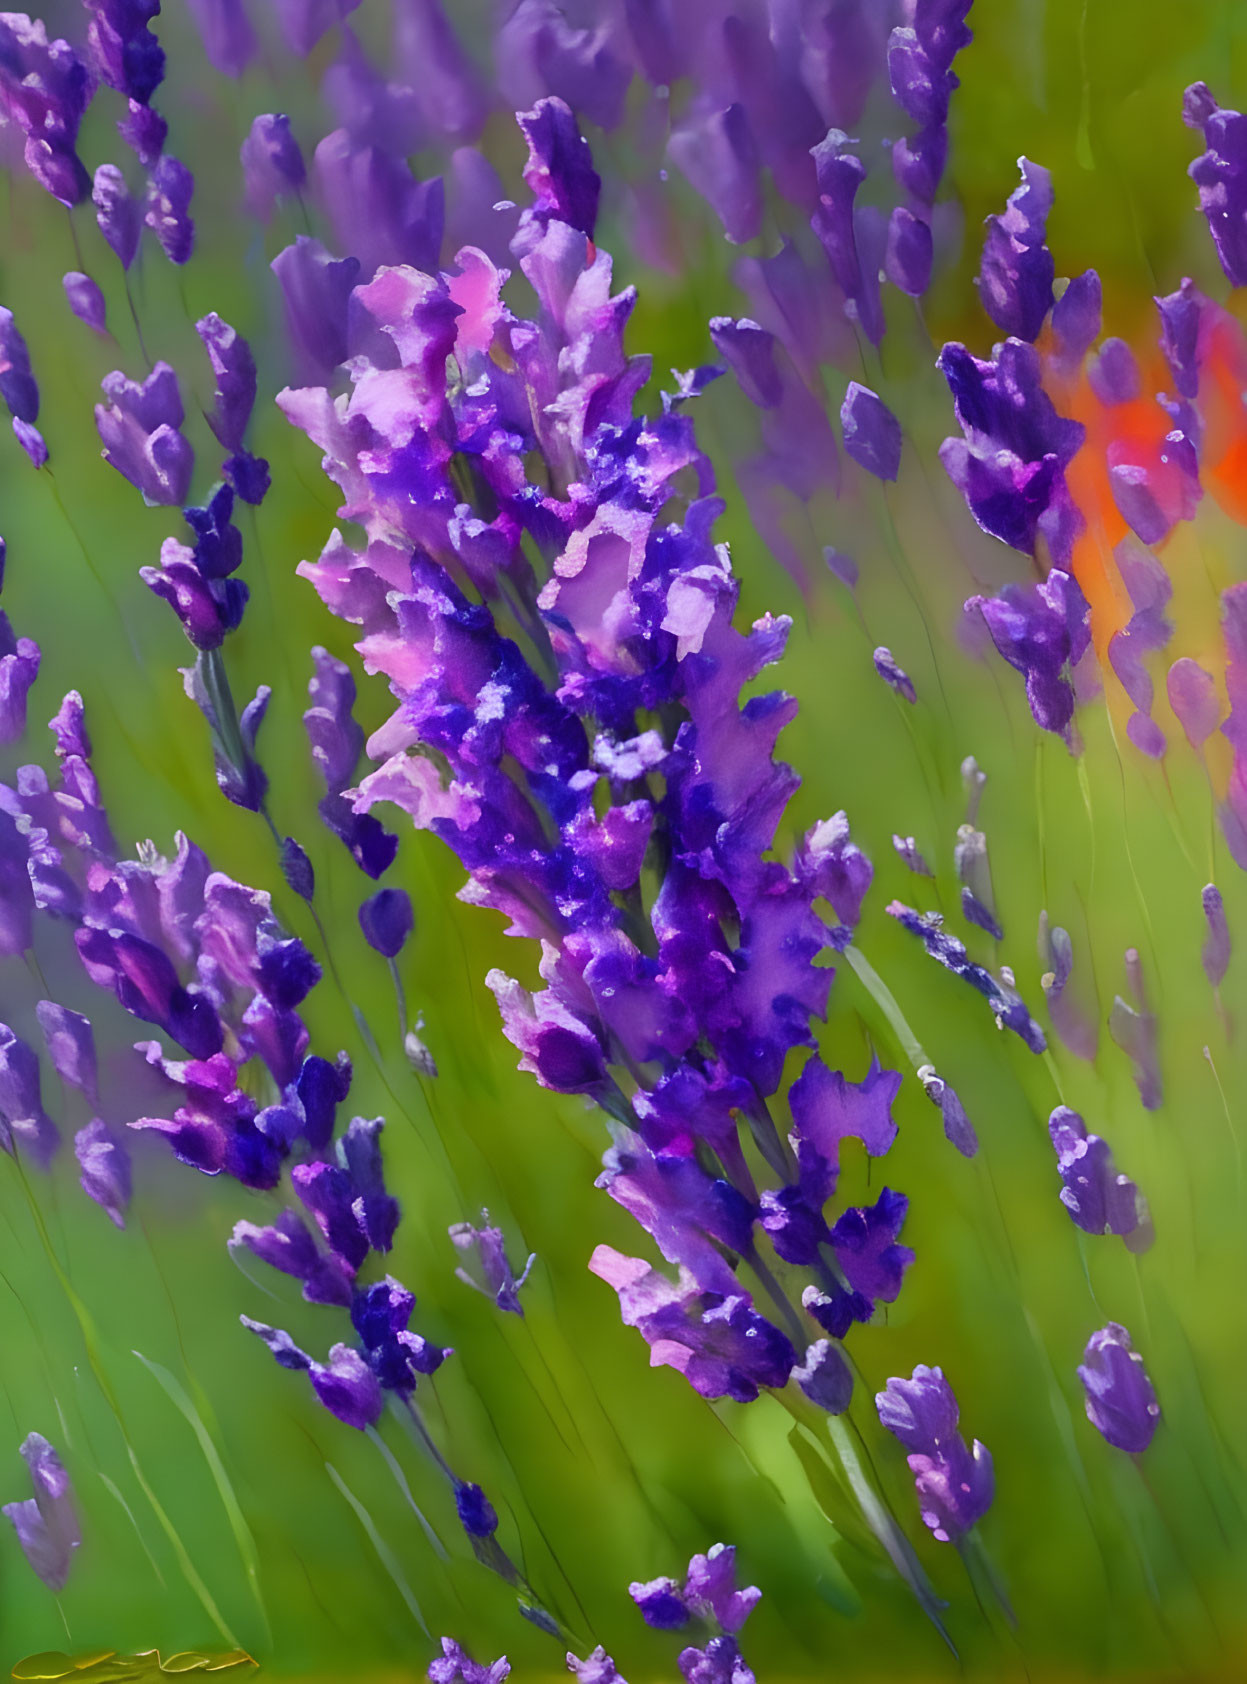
{"type": "Point", "coordinates": [46, 1524]}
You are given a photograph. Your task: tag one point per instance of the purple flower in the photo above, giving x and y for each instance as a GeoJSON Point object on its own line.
{"type": "Point", "coordinates": [139, 431]}
{"type": "Point", "coordinates": [234, 368]}
{"type": "Point", "coordinates": [1099, 1200]}
{"type": "Point", "coordinates": [208, 608]}
{"type": "Point", "coordinates": [17, 382]}
{"type": "Point", "coordinates": [166, 210]}
{"type": "Point", "coordinates": [315, 289]}
{"type": "Point", "coordinates": [86, 300]}
{"type": "Point", "coordinates": [957, 1126]}
{"type": "Point", "coordinates": [1220, 174]}
{"type": "Point", "coordinates": [337, 742]}
{"type": "Point", "coordinates": [1076, 318]}
{"type": "Point", "coordinates": [825, 1377]}
{"type": "Point", "coordinates": [721, 1345]}
{"type": "Point", "coordinates": [287, 1245]}
{"type": "Point", "coordinates": [1121, 1403]}
{"type": "Point", "coordinates": [828, 1109]}
{"type": "Point", "coordinates": [894, 676]}
{"type": "Point", "coordinates": [22, 1118]}
{"type": "Point", "coordinates": [44, 90]}
{"type": "Point", "coordinates": [386, 919]}
{"type": "Point", "coordinates": [104, 1162]}
{"type": "Point", "coordinates": [559, 172]}
{"type": "Point", "coordinates": [500, 1281]}
{"type": "Point", "coordinates": [127, 55]}
{"type": "Point", "coordinates": [955, 1485]}
{"type": "Point", "coordinates": [145, 131]}
{"type": "Point", "coordinates": [71, 1047]}
{"type": "Point", "coordinates": [1006, 1004]}
{"type": "Point", "coordinates": [118, 213]}
{"type": "Point", "coordinates": [910, 252]}
{"type": "Point", "coordinates": [452, 96]}
{"type": "Point", "coordinates": [345, 1384]}
{"type": "Point", "coordinates": [272, 163]}
{"type": "Point", "coordinates": [46, 1524]}
{"type": "Point", "coordinates": [456, 1666]}
{"type": "Point", "coordinates": [540, 51]}
{"type": "Point", "coordinates": [1016, 272]}
{"type": "Point", "coordinates": [380, 213]}
{"type": "Point", "coordinates": [1010, 464]}
{"type": "Point", "coordinates": [228, 38]}
{"type": "Point", "coordinates": [1192, 694]}
{"type": "Point", "coordinates": [661, 1603]}
{"type": "Point", "coordinates": [396, 1356]}
{"type": "Point", "coordinates": [19, 667]}
{"type": "Point", "coordinates": [597, 1668]}
{"type": "Point", "coordinates": [476, 1512]}
{"type": "Point", "coordinates": [146, 983]}
{"type": "Point", "coordinates": [1042, 631]}
{"type": "Point", "coordinates": [872, 434]}
{"type": "Point", "coordinates": [1215, 952]}
{"type": "Point", "coordinates": [720, 1662]}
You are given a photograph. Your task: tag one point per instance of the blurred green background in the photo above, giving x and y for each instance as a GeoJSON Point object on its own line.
{"type": "Point", "coordinates": [604, 1470]}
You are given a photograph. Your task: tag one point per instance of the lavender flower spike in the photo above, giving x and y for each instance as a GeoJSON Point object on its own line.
{"type": "Point", "coordinates": [1099, 1200]}
{"type": "Point", "coordinates": [501, 1283]}
{"type": "Point", "coordinates": [1016, 273]}
{"type": "Point", "coordinates": [167, 210]}
{"type": "Point", "coordinates": [1220, 174]}
{"type": "Point", "coordinates": [946, 950]}
{"type": "Point", "coordinates": [118, 214]}
{"type": "Point", "coordinates": [272, 163]}
{"type": "Point", "coordinates": [955, 1485]}
{"type": "Point", "coordinates": [386, 919]}
{"type": "Point", "coordinates": [139, 431]}
{"type": "Point", "coordinates": [1121, 1403]}
{"type": "Point", "coordinates": [1042, 631]}
{"type": "Point", "coordinates": [46, 1524]}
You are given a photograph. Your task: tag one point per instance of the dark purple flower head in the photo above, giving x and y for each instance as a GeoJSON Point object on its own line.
{"type": "Point", "coordinates": [1006, 1004]}
{"type": "Point", "coordinates": [1121, 1403]}
{"type": "Point", "coordinates": [166, 210]}
{"type": "Point", "coordinates": [386, 919]}
{"type": "Point", "coordinates": [559, 172]}
{"type": "Point", "coordinates": [499, 1279]}
{"type": "Point", "coordinates": [234, 368]}
{"type": "Point", "coordinates": [139, 431]}
{"type": "Point", "coordinates": [19, 667]}
{"type": "Point", "coordinates": [825, 1377]}
{"type": "Point", "coordinates": [1042, 631]}
{"type": "Point", "coordinates": [1099, 1200]}
{"type": "Point", "coordinates": [272, 163]}
{"type": "Point", "coordinates": [104, 1161]}
{"type": "Point", "coordinates": [208, 608]}
{"type": "Point", "coordinates": [126, 53]}
{"type": "Point", "coordinates": [46, 1524]}
{"type": "Point", "coordinates": [661, 1603]}
{"type": "Point", "coordinates": [17, 383]}
{"type": "Point", "coordinates": [44, 90]}
{"type": "Point", "coordinates": [86, 300]}
{"type": "Point", "coordinates": [71, 1047]}
{"type": "Point", "coordinates": [1220, 174]}
{"type": "Point", "coordinates": [827, 1109]}
{"type": "Point", "coordinates": [872, 434]}
{"type": "Point", "coordinates": [396, 1356]}
{"type": "Point", "coordinates": [118, 213]}
{"type": "Point", "coordinates": [456, 1666]}
{"type": "Point", "coordinates": [476, 1512]}
{"type": "Point", "coordinates": [1016, 273]}
{"type": "Point", "coordinates": [955, 1486]}
{"type": "Point", "coordinates": [143, 978]}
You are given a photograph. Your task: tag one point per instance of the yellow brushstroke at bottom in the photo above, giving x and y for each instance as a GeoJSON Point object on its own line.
{"type": "Point", "coordinates": [106, 1666]}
